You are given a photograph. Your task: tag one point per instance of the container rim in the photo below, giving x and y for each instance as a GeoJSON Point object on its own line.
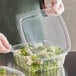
{"type": "Point", "coordinates": [52, 57]}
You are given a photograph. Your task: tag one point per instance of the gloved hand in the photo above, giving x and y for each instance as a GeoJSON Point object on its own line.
{"type": "Point", "coordinates": [5, 47]}
{"type": "Point", "coordinates": [55, 7]}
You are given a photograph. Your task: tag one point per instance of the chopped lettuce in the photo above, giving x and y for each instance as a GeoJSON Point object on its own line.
{"type": "Point", "coordinates": [35, 57]}
{"type": "Point", "coordinates": [24, 52]}
{"type": "Point", "coordinates": [57, 51]}
{"type": "Point", "coordinates": [35, 67]}
{"type": "Point", "coordinates": [2, 71]}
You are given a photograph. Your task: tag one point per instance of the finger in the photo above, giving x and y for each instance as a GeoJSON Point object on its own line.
{"type": "Point", "coordinates": [56, 3]}
{"type": "Point", "coordinates": [2, 48]}
{"type": "Point", "coordinates": [58, 7]}
{"type": "Point", "coordinates": [49, 11]}
{"type": "Point", "coordinates": [4, 41]}
{"type": "Point", "coordinates": [48, 3]}
{"type": "Point", "coordinates": [61, 9]}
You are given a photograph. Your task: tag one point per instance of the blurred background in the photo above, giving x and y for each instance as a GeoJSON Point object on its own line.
{"type": "Point", "coordinates": [69, 16]}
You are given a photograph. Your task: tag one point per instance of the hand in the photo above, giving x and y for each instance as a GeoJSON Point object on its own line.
{"type": "Point", "coordinates": [5, 47]}
{"type": "Point", "coordinates": [55, 7]}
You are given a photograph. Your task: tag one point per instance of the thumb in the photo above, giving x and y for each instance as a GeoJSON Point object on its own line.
{"type": "Point", "coordinates": [4, 41]}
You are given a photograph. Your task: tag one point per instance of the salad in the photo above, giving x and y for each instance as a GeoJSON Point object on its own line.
{"type": "Point", "coordinates": [40, 58]}
{"type": "Point", "coordinates": [3, 72]}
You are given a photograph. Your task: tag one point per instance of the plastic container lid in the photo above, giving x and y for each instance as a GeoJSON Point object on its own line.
{"type": "Point", "coordinates": [6, 71]}
{"type": "Point", "coordinates": [36, 27]}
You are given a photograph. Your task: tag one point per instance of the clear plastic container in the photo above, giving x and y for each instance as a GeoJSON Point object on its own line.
{"type": "Point", "coordinates": [38, 30]}
{"type": "Point", "coordinates": [6, 71]}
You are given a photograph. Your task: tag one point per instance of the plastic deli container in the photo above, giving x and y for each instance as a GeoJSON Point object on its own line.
{"type": "Point", "coordinates": [45, 39]}
{"type": "Point", "coordinates": [6, 71]}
